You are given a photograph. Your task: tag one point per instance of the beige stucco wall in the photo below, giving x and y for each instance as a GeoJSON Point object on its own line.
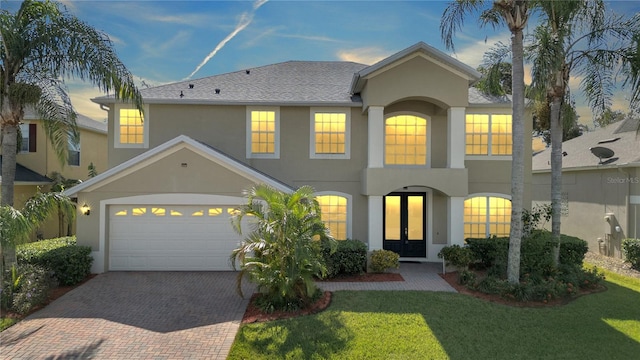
{"type": "Point", "coordinates": [591, 195]}
{"type": "Point", "coordinates": [417, 77]}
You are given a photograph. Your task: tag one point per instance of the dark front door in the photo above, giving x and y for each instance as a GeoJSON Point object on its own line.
{"type": "Point", "coordinates": [404, 224]}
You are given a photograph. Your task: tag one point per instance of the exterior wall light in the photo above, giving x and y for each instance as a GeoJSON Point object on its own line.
{"type": "Point", "coordinates": [85, 209]}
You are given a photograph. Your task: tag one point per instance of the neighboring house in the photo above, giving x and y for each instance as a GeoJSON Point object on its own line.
{"type": "Point", "coordinates": [601, 195]}
{"type": "Point", "coordinates": [403, 154]}
{"type": "Point", "coordinates": [37, 161]}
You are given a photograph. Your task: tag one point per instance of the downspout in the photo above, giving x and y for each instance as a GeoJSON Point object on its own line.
{"type": "Point", "coordinates": [628, 197]}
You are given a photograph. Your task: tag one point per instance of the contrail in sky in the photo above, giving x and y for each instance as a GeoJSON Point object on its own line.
{"type": "Point", "coordinates": [245, 19]}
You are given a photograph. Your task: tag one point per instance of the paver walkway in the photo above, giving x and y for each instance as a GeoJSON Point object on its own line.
{"type": "Point", "coordinates": [158, 315]}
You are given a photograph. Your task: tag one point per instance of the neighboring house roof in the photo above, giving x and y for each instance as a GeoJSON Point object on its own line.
{"type": "Point", "coordinates": [621, 137]}
{"type": "Point", "coordinates": [26, 176]}
{"type": "Point", "coordinates": [82, 121]}
{"type": "Point", "coordinates": [181, 141]}
{"type": "Point", "coordinates": [360, 78]}
{"type": "Point", "coordinates": [478, 98]}
{"type": "Point", "coordinates": [291, 82]}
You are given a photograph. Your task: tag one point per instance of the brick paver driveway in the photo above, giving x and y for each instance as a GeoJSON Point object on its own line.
{"type": "Point", "coordinates": [134, 315]}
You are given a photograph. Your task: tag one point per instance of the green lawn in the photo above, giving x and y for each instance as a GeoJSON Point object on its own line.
{"type": "Point", "coordinates": [427, 325]}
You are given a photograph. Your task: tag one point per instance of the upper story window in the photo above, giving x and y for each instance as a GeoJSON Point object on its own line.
{"type": "Point", "coordinates": [487, 215]}
{"type": "Point", "coordinates": [28, 132]}
{"type": "Point", "coordinates": [131, 128]}
{"type": "Point", "coordinates": [335, 214]}
{"type": "Point", "coordinates": [405, 140]}
{"type": "Point", "coordinates": [330, 134]}
{"type": "Point", "coordinates": [74, 151]}
{"type": "Point", "coordinates": [263, 132]}
{"type": "Point", "coordinates": [488, 134]}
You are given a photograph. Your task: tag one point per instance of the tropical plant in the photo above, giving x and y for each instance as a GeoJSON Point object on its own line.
{"type": "Point", "coordinates": [16, 226]}
{"type": "Point", "coordinates": [580, 35]}
{"type": "Point", "coordinates": [41, 44]}
{"type": "Point", "coordinates": [60, 183]}
{"type": "Point", "coordinates": [514, 14]}
{"type": "Point", "coordinates": [282, 253]}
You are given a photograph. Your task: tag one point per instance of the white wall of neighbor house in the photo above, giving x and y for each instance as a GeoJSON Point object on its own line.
{"type": "Point", "coordinates": [589, 196]}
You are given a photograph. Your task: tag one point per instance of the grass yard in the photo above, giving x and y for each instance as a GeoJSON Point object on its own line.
{"type": "Point", "coordinates": [430, 325]}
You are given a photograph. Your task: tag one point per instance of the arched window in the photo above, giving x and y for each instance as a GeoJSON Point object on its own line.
{"type": "Point", "coordinates": [405, 140]}
{"type": "Point", "coordinates": [487, 215]}
{"type": "Point", "coordinates": [335, 213]}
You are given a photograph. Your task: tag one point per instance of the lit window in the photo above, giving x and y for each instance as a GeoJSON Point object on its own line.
{"type": "Point", "coordinates": [485, 216]}
{"type": "Point", "coordinates": [215, 211]}
{"type": "Point", "coordinates": [175, 213]}
{"type": "Point", "coordinates": [198, 213]}
{"type": "Point", "coordinates": [131, 129]}
{"type": "Point", "coordinates": [138, 211]}
{"type": "Point", "coordinates": [121, 213]}
{"type": "Point", "coordinates": [334, 214]}
{"type": "Point", "coordinates": [158, 211]}
{"type": "Point", "coordinates": [405, 140]}
{"type": "Point", "coordinates": [74, 151]}
{"type": "Point", "coordinates": [262, 131]}
{"type": "Point", "coordinates": [330, 134]}
{"type": "Point", "coordinates": [488, 134]}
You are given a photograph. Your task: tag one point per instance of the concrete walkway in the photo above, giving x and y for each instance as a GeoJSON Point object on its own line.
{"type": "Point", "coordinates": [159, 315]}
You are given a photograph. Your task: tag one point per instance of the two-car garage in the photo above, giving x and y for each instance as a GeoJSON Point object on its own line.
{"type": "Point", "coordinates": [171, 237]}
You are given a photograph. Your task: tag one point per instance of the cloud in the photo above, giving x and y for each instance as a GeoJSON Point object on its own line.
{"type": "Point", "coordinates": [473, 53]}
{"type": "Point", "coordinates": [365, 55]}
{"type": "Point", "coordinates": [245, 20]}
{"type": "Point", "coordinates": [155, 50]}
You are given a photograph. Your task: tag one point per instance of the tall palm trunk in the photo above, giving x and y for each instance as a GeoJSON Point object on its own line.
{"type": "Point", "coordinates": [517, 165]}
{"type": "Point", "coordinates": [556, 94]}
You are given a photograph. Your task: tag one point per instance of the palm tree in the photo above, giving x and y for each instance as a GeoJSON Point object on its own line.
{"type": "Point", "coordinates": [282, 253]}
{"type": "Point", "coordinates": [40, 45]}
{"type": "Point", "coordinates": [60, 183]}
{"type": "Point", "coordinates": [579, 35]}
{"type": "Point", "coordinates": [514, 14]}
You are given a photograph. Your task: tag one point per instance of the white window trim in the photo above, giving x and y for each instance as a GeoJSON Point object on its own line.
{"type": "Point", "coordinates": [486, 195]}
{"type": "Point", "coordinates": [428, 145]}
{"type": "Point", "coordinates": [79, 151]}
{"type": "Point", "coordinates": [116, 128]}
{"type": "Point", "coordinates": [488, 156]}
{"type": "Point", "coordinates": [276, 145]}
{"type": "Point", "coordinates": [22, 131]}
{"type": "Point", "coordinates": [347, 132]}
{"type": "Point", "coordinates": [349, 207]}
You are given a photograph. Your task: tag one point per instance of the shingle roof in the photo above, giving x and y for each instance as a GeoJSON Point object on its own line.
{"type": "Point", "coordinates": [477, 97]}
{"type": "Point", "coordinates": [620, 137]}
{"type": "Point", "coordinates": [82, 121]}
{"type": "Point", "coordinates": [292, 82]}
{"type": "Point", "coordinates": [26, 176]}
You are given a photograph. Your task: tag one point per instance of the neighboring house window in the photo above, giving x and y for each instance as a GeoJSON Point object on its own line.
{"type": "Point", "coordinates": [74, 151]}
{"type": "Point", "coordinates": [487, 215]}
{"type": "Point", "coordinates": [330, 134]}
{"type": "Point", "coordinates": [335, 214]}
{"type": "Point", "coordinates": [131, 129]}
{"type": "Point", "coordinates": [28, 132]}
{"type": "Point", "coordinates": [488, 134]}
{"type": "Point", "coordinates": [405, 140]}
{"type": "Point", "coordinates": [263, 132]}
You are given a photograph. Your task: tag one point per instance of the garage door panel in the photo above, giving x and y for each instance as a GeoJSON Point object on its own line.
{"type": "Point", "coordinates": [171, 237]}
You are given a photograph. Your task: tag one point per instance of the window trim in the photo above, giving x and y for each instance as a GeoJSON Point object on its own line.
{"type": "Point", "coordinates": [488, 156]}
{"type": "Point", "coordinates": [31, 130]}
{"type": "Point", "coordinates": [427, 164]}
{"type": "Point", "coordinates": [486, 195]}
{"type": "Point", "coordinates": [349, 207]}
{"type": "Point", "coordinates": [116, 128]}
{"type": "Point", "coordinates": [276, 145]}
{"type": "Point", "coordinates": [312, 132]}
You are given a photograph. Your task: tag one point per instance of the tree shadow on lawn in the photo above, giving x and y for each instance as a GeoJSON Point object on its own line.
{"type": "Point", "coordinates": [305, 337]}
{"type": "Point", "coordinates": [465, 326]}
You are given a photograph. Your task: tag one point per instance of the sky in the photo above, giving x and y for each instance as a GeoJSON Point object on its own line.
{"type": "Point", "coordinates": [167, 41]}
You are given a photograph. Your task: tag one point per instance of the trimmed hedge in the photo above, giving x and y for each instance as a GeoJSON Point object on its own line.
{"type": "Point", "coordinates": [536, 253]}
{"type": "Point", "coordinates": [68, 262]}
{"type": "Point", "coordinates": [349, 258]}
{"type": "Point", "coordinates": [631, 249]}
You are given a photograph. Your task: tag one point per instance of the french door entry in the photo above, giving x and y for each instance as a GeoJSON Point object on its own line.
{"type": "Point", "coordinates": [404, 224]}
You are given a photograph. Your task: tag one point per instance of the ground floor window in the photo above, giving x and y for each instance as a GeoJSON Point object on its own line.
{"type": "Point", "coordinates": [485, 216]}
{"type": "Point", "coordinates": [334, 214]}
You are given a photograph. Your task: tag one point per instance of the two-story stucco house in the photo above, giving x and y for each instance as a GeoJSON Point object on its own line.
{"type": "Point", "coordinates": [37, 161]}
{"type": "Point", "coordinates": [403, 154]}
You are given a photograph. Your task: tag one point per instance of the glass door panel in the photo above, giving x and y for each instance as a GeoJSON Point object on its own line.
{"type": "Point", "coordinates": [415, 218]}
{"type": "Point", "coordinates": [392, 219]}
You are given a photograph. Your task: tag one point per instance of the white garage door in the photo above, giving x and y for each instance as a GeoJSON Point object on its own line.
{"type": "Point", "coordinates": [171, 237]}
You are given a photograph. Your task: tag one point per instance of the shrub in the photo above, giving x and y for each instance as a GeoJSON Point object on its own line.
{"type": "Point", "coordinates": [350, 257]}
{"type": "Point", "coordinates": [68, 262]}
{"type": "Point", "coordinates": [631, 249]}
{"type": "Point", "coordinates": [457, 256]}
{"type": "Point", "coordinates": [487, 250]}
{"type": "Point", "coordinates": [381, 260]}
{"type": "Point", "coordinates": [30, 285]}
